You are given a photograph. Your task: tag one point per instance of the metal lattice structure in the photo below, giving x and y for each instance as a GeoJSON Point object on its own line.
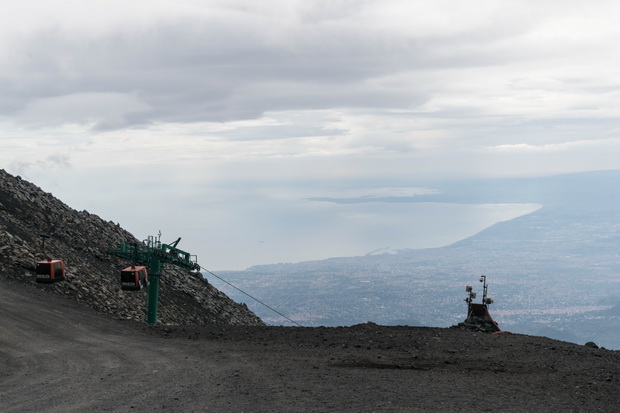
{"type": "Point", "coordinates": [153, 254]}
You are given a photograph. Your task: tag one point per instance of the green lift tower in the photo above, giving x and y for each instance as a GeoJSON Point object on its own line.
{"type": "Point", "coordinates": [153, 255]}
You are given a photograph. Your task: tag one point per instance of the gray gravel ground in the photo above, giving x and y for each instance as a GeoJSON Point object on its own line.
{"type": "Point", "coordinates": [56, 356]}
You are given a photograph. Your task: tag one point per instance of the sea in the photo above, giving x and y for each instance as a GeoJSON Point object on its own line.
{"type": "Point", "coordinates": [296, 232]}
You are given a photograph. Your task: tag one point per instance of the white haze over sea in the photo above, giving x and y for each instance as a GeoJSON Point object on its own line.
{"type": "Point", "coordinates": [241, 225]}
{"type": "Point", "coordinates": [262, 225]}
{"type": "Point", "coordinates": [320, 230]}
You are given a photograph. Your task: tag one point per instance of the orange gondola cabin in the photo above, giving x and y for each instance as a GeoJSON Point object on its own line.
{"type": "Point", "coordinates": [50, 271]}
{"type": "Point", "coordinates": [134, 278]}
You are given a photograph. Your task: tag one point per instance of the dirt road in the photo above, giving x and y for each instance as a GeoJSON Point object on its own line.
{"type": "Point", "coordinates": [56, 356]}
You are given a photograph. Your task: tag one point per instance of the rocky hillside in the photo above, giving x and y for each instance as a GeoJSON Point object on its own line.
{"type": "Point", "coordinates": [28, 216]}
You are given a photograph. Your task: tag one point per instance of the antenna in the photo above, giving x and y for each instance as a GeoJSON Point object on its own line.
{"type": "Point", "coordinates": [472, 295]}
{"type": "Point", "coordinates": [483, 280]}
{"type": "Point", "coordinates": [485, 288]}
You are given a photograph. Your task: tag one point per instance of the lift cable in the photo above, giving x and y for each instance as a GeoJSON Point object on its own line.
{"type": "Point", "coordinates": [253, 298]}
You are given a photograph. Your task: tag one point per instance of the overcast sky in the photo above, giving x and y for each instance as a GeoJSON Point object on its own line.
{"type": "Point", "coordinates": [217, 120]}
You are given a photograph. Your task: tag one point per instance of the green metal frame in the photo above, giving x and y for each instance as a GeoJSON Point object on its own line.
{"type": "Point", "coordinates": [153, 254]}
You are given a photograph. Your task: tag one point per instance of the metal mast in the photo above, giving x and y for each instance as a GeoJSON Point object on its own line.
{"type": "Point", "coordinates": [153, 254]}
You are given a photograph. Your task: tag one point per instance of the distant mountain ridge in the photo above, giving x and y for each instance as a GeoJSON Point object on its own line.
{"type": "Point", "coordinates": [83, 241]}
{"type": "Point", "coordinates": [548, 270]}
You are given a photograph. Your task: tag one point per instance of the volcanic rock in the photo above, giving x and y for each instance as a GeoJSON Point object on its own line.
{"type": "Point", "coordinates": [34, 226]}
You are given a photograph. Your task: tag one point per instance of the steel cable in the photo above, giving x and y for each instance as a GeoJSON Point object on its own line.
{"type": "Point", "coordinates": [253, 298]}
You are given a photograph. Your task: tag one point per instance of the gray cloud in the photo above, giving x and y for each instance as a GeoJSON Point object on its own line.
{"type": "Point", "coordinates": [203, 69]}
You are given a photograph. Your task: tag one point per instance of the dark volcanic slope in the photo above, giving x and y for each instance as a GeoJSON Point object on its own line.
{"type": "Point", "coordinates": [82, 240]}
{"type": "Point", "coordinates": [54, 356]}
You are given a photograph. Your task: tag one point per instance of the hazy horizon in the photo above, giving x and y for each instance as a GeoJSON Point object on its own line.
{"type": "Point", "coordinates": [338, 231]}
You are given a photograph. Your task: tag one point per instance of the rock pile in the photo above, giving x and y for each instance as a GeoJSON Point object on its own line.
{"type": "Point", "coordinates": [476, 323]}
{"type": "Point", "coordinates": [34, 225]}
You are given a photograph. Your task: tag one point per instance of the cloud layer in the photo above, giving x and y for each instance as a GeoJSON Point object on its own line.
{"type": "Point", "coordinates": [227, 101]}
